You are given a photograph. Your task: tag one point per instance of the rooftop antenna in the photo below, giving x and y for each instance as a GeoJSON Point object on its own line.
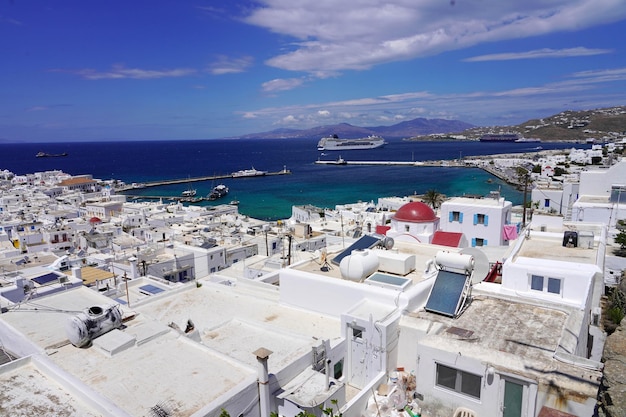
{"type": "Point", "coordinates": [324, 261]}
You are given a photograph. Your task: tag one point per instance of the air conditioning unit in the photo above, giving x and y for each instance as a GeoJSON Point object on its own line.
{"type": "Point", "coordinates": [64, 279]}
{"type": "Point", "coordinates": [585, 240]}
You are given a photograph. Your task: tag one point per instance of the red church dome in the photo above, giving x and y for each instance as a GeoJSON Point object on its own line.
{"type": "Point", "coordinates": [415, 212]}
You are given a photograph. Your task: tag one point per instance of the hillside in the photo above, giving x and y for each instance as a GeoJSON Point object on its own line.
{"type": "Point", "coordinates": [419, 126]}
{"type": "Point", "coordinates": [572, 126]}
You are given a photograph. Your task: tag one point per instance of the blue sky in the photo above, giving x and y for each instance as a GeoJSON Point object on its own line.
{"type": "Point", "coordinates": [156, 69]}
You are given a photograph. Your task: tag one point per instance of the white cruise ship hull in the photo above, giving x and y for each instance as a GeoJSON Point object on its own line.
{"type": "Point", "coordinates": [336, 144]}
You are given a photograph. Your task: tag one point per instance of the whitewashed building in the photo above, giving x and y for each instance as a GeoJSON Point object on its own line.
{"type": "Point", "coordinates": [602, 195]}
{"type": "Point", "coordinates": [484, 221]}
{"type": "Point", "coordinates": [555, 197]}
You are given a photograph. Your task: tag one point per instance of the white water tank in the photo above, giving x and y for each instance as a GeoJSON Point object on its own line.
{"type": "Point", "coordinates": [95, 321]}
{"type": "Point", "coordinates": [359, 265]}
{"type": "Point", "coordinates": [454, 262]}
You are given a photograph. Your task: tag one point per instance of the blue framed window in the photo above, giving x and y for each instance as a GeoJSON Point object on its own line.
{"type": "Point", "coordinates": [481, 219]}
{"type": "Point", "coordinates": [455, 216]}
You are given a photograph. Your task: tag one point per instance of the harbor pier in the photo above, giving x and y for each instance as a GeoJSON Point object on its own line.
{"type": "Point", "coordinates": [198, 179]}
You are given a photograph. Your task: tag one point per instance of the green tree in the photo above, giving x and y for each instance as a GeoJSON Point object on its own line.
{"type": "Point", "coordinates": [433, 198]}
{"type": "Point", "coordinates": [521, 174]}
{"type": "Point", "coordinates": [620, 239]}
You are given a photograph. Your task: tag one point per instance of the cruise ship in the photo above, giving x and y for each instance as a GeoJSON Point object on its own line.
{"type": "Point", "coordinates": [500, 137]}
{"type": "Point", "coordinates": [333, 143]}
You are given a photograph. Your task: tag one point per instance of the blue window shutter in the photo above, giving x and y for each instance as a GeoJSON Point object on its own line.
{"type": "Point", "coordinates": [450, 217]}
{"type": "Point", "coordinates": [475, 218]}
{"type": "Point", "coordinates": [486, 220]}
{"type": "Point", "coordinates": [460, 217]}
{"type": "Point", "coordinates": [473, 242]}
{"type": "Point", "coordinates": [546, 203]}
{"type": "Point", "coordinates": [484, 242]}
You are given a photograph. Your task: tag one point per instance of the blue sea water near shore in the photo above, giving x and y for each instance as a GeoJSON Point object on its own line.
{"type": "Point", "coordinates": [272, 197]}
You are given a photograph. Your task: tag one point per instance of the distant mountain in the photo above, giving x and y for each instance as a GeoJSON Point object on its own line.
{"type": "Point", "coordinates": [410, 128]}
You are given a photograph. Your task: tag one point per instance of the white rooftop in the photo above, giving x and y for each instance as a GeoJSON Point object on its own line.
{"type": "Point", "coordinates": [515, 337]}
{"type": "Point", "coordinates": [149, 362]}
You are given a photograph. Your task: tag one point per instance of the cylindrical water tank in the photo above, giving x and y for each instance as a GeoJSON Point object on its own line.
{"type": "Point", "coordinates": [454, 261]}
{"type": "Point", "coordinates": [82, 328]}
{"type": "Point", "coordinates": [359, 265]}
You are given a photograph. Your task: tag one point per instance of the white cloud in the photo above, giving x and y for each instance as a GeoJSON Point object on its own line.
{"type": "Point", "coordinates": [601, 75]}
{"type": "Point", "coordinates": [121, 72]}
{"type": "Point", "coordinates": [332, 36]}
{"type": "Point", "coordinates": [45, 108]}
{"type": "Point", "coordinates": [478, 107]}
{"type": "Point", "coordinates": [289, 119]}
{"type": "Point", "coordinates": [229, 65]}
{"type": "Point", "coordinates": [540, 53]}
{"type": "Point", "coordinates": [282, 84]}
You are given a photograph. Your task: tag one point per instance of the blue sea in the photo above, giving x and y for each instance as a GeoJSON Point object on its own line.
{"type": "Point", "coordinates": [272, 197]}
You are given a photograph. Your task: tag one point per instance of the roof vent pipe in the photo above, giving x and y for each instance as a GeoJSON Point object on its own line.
{"type": "Point", "coordinates": [262, 355]}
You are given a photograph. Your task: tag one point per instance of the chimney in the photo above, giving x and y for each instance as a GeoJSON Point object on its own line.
{"type": "Point", "coordinates": [77, 272]}
{"type": "Point", "coordinates": [133, 267]}
{"type": "Point", "coordinates": [262, 356]}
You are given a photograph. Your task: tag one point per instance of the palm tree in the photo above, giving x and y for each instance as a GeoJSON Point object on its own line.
{"type": "Point", "coordinates": [433, 198]}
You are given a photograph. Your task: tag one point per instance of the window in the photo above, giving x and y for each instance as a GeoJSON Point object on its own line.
{"type": "Point", "coordinates": [546, 203]}
{"type": "Point", "coordinates": [357, 332]}
{"type": "Point", "coordinates": [554, 285]}
{"type": "Point", "coordinates": [481, 219]}
{"type": "Point", "coordinates": [477, 241]}
{"type": "Point", "coordinates": [458, 381]}
{"type": "Point", "coordinates": [406, 228]}
{"type": "Point", "coordinates": [536, 283]}
{"type": "Point", "coordinates": [550, 285]}
{"type": "Point", "coordinates": [455, 216]}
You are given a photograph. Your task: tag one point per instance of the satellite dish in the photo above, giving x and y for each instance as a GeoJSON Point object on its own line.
{"type": "Point", "coordinates": [481, 264]}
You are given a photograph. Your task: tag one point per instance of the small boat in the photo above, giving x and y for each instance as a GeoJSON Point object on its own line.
{"type": "Point", "coordinates": [49, 155]}
{"type": "Point", "coordinates": [189, 193]}
{"type": "Point", "coordinates": [218, 191]}
{"type": "Point", "coordinates": [234, 203]}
